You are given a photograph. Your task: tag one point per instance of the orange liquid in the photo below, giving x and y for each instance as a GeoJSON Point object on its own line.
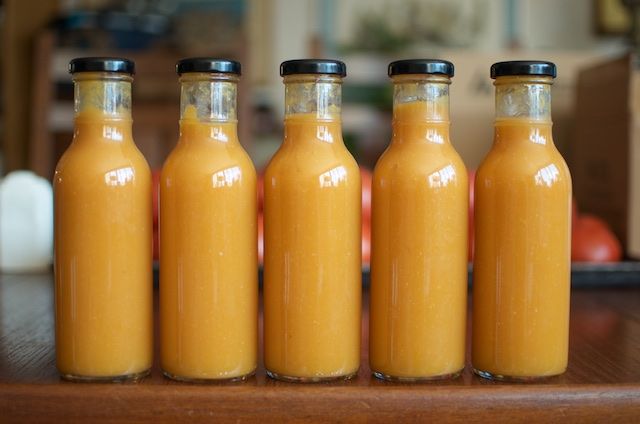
{"type": "Point", "coordinates": [522, 257]}
{"type": "Point", "coordinates": [419, 251]}
{"type": "Point", "coordinates": [208, 255]}
{"type": "Point", "coordinates": [312, 270]}
{"type": "Point", "coordinates": [103, 222]}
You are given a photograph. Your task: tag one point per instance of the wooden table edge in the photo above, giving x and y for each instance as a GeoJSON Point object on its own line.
{"type": "Point", "coordinates": [172, 402]}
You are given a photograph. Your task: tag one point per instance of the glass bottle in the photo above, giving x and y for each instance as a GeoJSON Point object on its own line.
{"type": "Point", "coordinates": [208, 234]}
{"type": "Point", "coordinates": [521, 281]}
{"type": "Point", "coordinates": [103, 224]}
{"type": "Point", "coordinates": [419, 234]}
{"type": "Point", "coordinates": [312, 269]}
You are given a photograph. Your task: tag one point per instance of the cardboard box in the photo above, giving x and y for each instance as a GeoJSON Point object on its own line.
{"type": "Point", "coordinates": [605, 148]}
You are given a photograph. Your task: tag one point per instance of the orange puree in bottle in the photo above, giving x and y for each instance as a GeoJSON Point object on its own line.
{"type": "Point", "coordinates": [522, 268]}
{"type": "Point", "coordinates": [312, 287]}
{"type": "Point", "coordinates": [419, 248]}
{"type": "Point", "coordinates": [208, 254]}
{"type": "Point", "coordinates": [103, 227]}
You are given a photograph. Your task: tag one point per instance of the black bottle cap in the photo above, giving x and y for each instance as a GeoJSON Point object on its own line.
{"type": "Point", "coordinates": [421, 66]}
{"type": "Point", "coordinates": [102, 64]}
{"type": "Point", "coordinates": [523, 67]}
{"type": "Point", "coordinates": [208, 64]}
{"type": "Point", "coordinates": [313, 66]}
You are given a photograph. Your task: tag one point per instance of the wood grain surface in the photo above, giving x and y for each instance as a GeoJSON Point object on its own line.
{"type": "Point", "coordinates": [601, 384]}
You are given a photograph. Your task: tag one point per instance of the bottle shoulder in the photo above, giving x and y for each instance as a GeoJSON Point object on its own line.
{"type": "Point", "coordinates": [313, 162]}
{"type": "Point", "coordinates": [191, 159]}
{"type": "Point", "coordinates": [96, 159]}
{"type": "Point", "coordinates": [534, 165]}
{"type": "Point", "coordinates": [419, 160]}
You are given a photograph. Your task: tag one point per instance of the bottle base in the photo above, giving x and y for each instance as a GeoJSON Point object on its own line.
{"type": "Point", "coordinates": [295, 379]}
{"type": "Point", "coordinates": [511, 378]}
{"type": "Point", "coordinates": [193, 380]}
{"type": "Point", "coordinates": [398, 379]}
{"type": "Point", "coordinates": [124, 378]}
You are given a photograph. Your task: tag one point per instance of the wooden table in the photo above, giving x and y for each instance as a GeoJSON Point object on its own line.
{"type": "Point", "coordinates": [601, 384]}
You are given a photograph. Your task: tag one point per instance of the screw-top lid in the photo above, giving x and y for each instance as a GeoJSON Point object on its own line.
{"type": "Point", "coordinates": [313, 66]}
{"type": "Point", "coordinates": [523, 67]}
{"type": "Point", "coordinates": [421, 66]}
{"type": "Point", "coordinates": [102, 64]}
{"type": "Point", "coordinates": [208, 64]}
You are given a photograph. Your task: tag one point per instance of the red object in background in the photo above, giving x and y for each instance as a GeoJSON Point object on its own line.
{"type": "Point", "coordinates": [260, 187]}
{"type": "Point", "coordinates": [366, 177]}
{"type": "Point", "coordinates": [366, 242]}
{"type": "Point", "coordinates": [593, 241]}
{"type": "Point", "coordinates": [472, 198]}
{"type": "Point", "coordinates": [156, 244]}
{"type": "Point", "coordinates": [260, 238]}
{"type": "Point", "coordinates": [155, 189]}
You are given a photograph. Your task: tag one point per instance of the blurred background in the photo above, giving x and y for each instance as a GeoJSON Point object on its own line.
{"type": "Point", "coordinates": [591, 41]}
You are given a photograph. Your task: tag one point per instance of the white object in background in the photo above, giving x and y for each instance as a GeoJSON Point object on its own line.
{"type": "Point", "coordinates": [26, 222]}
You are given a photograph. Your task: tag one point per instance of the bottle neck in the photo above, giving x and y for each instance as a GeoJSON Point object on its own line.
{"type": "Point", "coordinates": [208, 108]}
{"type": "Point", "coordinates": [523, 98]}
{"type": "Point", "coordinates": [421, 99]}
{"type": "Point", "coordinates": [102, 97]}
{"type": "Point", "coordinates": [208, 98]}
{"type": "Point", "coordinates": [421, 109]}
{"type": "Point", "coordinates": [312, 98]}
